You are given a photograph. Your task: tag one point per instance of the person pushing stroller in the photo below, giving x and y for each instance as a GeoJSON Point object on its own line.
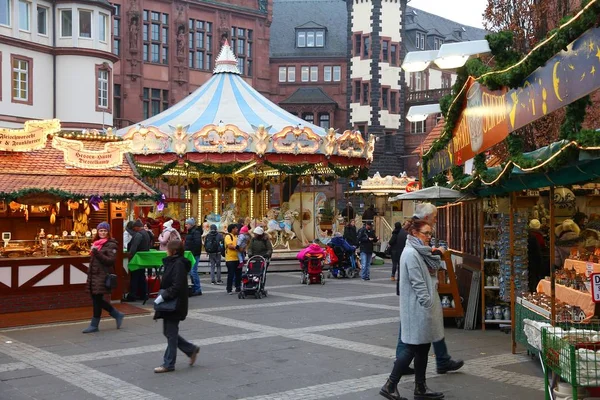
{"type": "Point", "coordinates": [350, 251]}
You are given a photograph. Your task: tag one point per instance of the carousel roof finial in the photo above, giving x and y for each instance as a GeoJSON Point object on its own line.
{"type": "Point", "coordinates": [226, 62]}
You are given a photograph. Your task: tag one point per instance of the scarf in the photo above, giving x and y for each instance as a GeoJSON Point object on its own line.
{"type": "Point", "coordinates": [432, 261]}
{"type": "Point", "coordinates": [99, 243]}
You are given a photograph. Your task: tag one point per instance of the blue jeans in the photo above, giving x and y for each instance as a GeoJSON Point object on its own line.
{"type": "Point", "coordinates": [365, 260]}
{"type": "Point", "coordinates": [196, 287]}
{"type": "Point", "coordinates": [439, 348]}
{"type": "Point", "coordinates": [352, 256]}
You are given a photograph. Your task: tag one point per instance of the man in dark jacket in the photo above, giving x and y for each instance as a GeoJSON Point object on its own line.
{"type": "Point", "coordinates": [366, 239]}
{"type": "Point", "coordinates": [350, 233]}
{"type": "Point", "coordinates": [140, 242]}
{"type": "Point", "coordinates": [348, 212]}
{"type": "Point", "coordinates": [213, 244]}
{"type": "Point", "coordinates": [193, 243]}
{"type": "Point", "coordinates": [396, 243]}
{"type": "Point", "coordinates": [369, 213]}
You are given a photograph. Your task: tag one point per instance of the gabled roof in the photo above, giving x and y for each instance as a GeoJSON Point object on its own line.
{"type": "Point", "coordinates": [435, 32]}
{"type": "Point", "coordinates": [415, 27]}
{"type": "Point", "coordinates": [311, 25]}
{"type": "Point", "coordinates": [430, 138]}
{"type": "Point", "coordinates": [288, 15]}
{"type": "Point", "coordinates": [309, 95]}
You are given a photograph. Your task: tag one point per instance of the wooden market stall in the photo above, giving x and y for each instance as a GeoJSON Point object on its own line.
{"type": "Point", "coordinates": [52, 196]}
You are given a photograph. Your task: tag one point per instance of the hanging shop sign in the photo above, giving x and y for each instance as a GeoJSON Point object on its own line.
{"type": "Point", "coordinates": [441, 161]}
{"type": "Point", "coordinates": [32, 137]}
{"type": "Point", "coordinates": [489, 116]}
{"type": "Point", "coordinates": [76, 155]}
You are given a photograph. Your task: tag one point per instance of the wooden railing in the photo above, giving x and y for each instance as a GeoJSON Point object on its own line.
{"type": "Point", "coordinates": [427, 96]}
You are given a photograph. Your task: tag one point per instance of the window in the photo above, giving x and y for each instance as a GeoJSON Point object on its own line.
{"type": "Point", "coordinates": [310, 38]}
{"type": "Point", "coordinates": [394, 54]}
{"type": "Point", "coordinates": [357, 44]}
{"type": "Point", "coordinates": [291, 74]}
{"type": "Point", "coordinates": [66, 23]}
{"type": "Point", "coordinates": [389, 142]}
{"type": "Point", "coordinates": [385, 92]}
{"type": "Point", "coordinates": [418, 81]}
{"type": "Point", "coordinates": [420, 42]}
{"type": "Point", "coordinates": [365, 94]}
{"type": "Point", "coordinates": [337, 73]}
{"type": "Point", "coordinates": [155, 101]}
{"type": "Point", "coordinates": [200, 44]}
{"type": "Point", "coordinates": [437, 43]}
{"type": "Point", "coordinates": [117, 30]}
{"type": "Point", "coordinates": [393, 98]}
{"type": "Point", "coordinates": [366, 47]}
{"type": "Point", "coordinates": [282, 74]}
{"type": "Point", "coordinates": [42, 20]}
{"type": "Point", "coordinates": [103, 88]}
{"type": "Point", "coordinates": [22, 79]}
{"type": "Point", "coordinates": [102, 27]}
{"type": "Point", "coordinates": [5, 12]}
{"type": "Point", "coordinates": [327, 74]}
{"type": "Point", "coordinates": [156, 37]}
{"type": "Point", "coordinates": [324, 120]}
{"type": "Point", "coordinates": [308, 117]}
{"type": "Point", "coordinates": [362, 128]}
{"type": "Point", "coordinates": [385, 53]}
{"type": "Point", "coordinates": [304, 72]}
{"type": "Point", "coordinates": [357, 86]}
{"type": "Point", "coordinates": [418, 127]}
{"type": "Point", "coordinates": [24, 15]}
{"type": "Point", "coordinates": [117, 101]}
{"type": "Point", "coordinates": [85, 24]}
{"type": "Point", "coordinates": [241, 44]}
{"type": "Point", "coordinates": [314, 74]}
{"type": "Point", "coordinates": [446, 80]}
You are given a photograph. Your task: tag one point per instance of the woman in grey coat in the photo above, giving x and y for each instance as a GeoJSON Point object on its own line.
{"type": "Point", "coordinates": [420, 311]}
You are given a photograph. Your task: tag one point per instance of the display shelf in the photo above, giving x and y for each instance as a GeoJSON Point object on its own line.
{"type": "Point", "coordinates": [491, 260]}
{"type": "Point", "coordinates": [497, 321]}
{"type": "Point", "coordinates": [490, 227]}
{"type": "Point", "coordinates": [492, 287]}
{"type": "Point", "coordinates": [536, 309]}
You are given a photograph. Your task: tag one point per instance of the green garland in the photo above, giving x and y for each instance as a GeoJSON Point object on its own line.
{"type": "Point", "coordinates": [300, 169]}
{"type": "Point", "coordinates": [11, 196]}
{"type": "Point", "coordinates": [221, 169]}
{"type": "Point", "coordinates": [361, 173]}
{"type": "Point", "coordinates": [575, 114]}
{"type": "Point", "coordinates": [155, 173]}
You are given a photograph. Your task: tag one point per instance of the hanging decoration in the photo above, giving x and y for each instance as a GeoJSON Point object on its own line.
{"type": "Point", "coordinates": [155, 172]}
{"type": "Point", "coordinates": [32, 137]}
{"type": "Point", "coordinates": [161, 203]}
{"type": "Point", "coordinates": [95, 202]}
{"type": "Point", "coordinates": [77, 155]}
{"type": "Point", "coordinates": [30, 194]}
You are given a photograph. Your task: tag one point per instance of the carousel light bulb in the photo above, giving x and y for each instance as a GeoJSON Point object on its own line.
{"type": "Point", "coordinates": [251, 203]}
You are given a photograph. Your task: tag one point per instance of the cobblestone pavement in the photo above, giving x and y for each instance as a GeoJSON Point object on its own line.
{"type": "Point", "coordinates": [335, 341]}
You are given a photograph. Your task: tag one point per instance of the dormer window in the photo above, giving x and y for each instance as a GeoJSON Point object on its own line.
{"type": "Point", "coordinates": [420, 41]}
{"type": "Point", "coordinates": [437, 43]}
{"type": "Point", "coordinates": [310, 37]}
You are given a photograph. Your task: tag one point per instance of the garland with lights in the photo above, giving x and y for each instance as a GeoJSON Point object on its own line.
{"type": "Point", "coordinates": [221, 169]}
{"type": "Point", "coordinates": [155, 172]}
{"type": "Point", "coordinates": [11, 196]}
{"type": "Point", "coordinates": [103, 137]}
{"type": "Point", "coordinates": [510, 71]}
{"type": "Point", "coordinates": [290, 169]}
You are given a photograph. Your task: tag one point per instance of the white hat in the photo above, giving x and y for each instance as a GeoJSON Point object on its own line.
{"type": "Point", "coordinates": [168, 224]}
{"type": "Point", "coordinates": [258, 231]}
{"type": "Point", "coordinates": [535, 224]}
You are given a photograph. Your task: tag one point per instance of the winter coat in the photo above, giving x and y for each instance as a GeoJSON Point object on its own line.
{"type": "Point", "coordinates": [350, 235]}
{"type": "Point", "coordinates": [242, 241]}
{"type": "Point", "coordinates": [397, 243]}
{"type": "Point", "coordinates": [193, 241]}
{"type": "Point", "coordinates": [348, 212]}
{"type": "Point", "coordinates": [166, 236]}
{"type": "Point", "coordinates": [174, 284]}
{"type": "Point", "coordinates": [421, 314]}
{"type": "Point", "coordinates": [106, 257]}
{"type": "Point", "coordinates": [313, 250]}
{"type": "Point", "coordinates": [140, 242]}
{"type": "Point", "coordinates": [260, 247]}
{"type": "Point", "coordinates": [364, 239]}
{"type": "Point", "coordinates": [339, 241]}
{"type": "Point", "coordinates": [562, 248]}
{"type": "Point", "coordinates": [219, 239]}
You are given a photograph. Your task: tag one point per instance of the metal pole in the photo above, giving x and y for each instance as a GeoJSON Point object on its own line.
{"type": "Point", "coordinates": [552, 269]}
{"type": "Point", "coordinates": [512, 210]}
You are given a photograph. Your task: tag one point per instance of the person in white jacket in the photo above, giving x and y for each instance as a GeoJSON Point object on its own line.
{"type": "Point", "coordinates": [169, 233]}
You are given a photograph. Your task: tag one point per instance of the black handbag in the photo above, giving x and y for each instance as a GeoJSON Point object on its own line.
{"type": "Point", "coordinates": [110, 282]}
{"type": "Point", "coordinates": [167, 305]}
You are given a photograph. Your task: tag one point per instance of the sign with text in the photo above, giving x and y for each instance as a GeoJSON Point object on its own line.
{"type": "Point", "coordinates": [76, 155]}
{"type": "Point", "coordinates": [595, 278]}
{"type": "Point", "coordinates": [32, 137]}
{"type": "Point", "coordinates": [489, 116]}
{"type": "Point", "coordinates": [441, 161]}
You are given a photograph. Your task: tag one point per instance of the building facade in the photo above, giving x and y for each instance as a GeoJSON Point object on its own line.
{"type": "Point", "coordinates": [56, 62]}
{"type": "Point", "coordinates": [308, 60]}
{"type": "Point", "coordinates": [167, 49]}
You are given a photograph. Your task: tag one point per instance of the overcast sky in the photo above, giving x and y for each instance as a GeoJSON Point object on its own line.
{"type": "Point", "coordinates": [467, 12]}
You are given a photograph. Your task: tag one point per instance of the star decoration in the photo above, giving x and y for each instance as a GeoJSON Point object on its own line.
{"type": "Point", "coordinates": [582, 77]}
{"type": "Point", "coordinates": [593, 71]}
{"type": "Point", "coordinates": [591, 45]}
{"type": "Point", "coordinates": [598, 53]}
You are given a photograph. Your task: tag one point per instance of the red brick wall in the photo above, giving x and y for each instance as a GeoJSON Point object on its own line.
{"type": "Point", "coordinates": [44, 301]}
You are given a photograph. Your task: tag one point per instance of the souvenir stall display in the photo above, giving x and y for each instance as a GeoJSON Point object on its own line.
{"type": "Point", "coordinates": [53, 193]}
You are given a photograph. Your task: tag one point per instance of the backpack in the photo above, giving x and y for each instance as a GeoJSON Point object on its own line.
{"type": "Point", "coordinates": [211, 245]}
{"type": "Point", "coordinates": [222, 245]}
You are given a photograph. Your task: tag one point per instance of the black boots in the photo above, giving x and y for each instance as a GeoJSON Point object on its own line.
{"type": "Point", "coordinates": [390, 391]}
{"type": "Point", "coordinates": [422, 392]}
{"type": "Point", "coordinates": [450, 366]}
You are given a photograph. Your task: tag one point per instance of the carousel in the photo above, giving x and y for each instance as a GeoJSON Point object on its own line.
{"type": "Point", "coordinates": [227, 153]}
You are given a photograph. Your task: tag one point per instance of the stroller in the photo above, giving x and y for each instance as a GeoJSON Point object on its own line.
{"type": "Point", "coordinates": [254, 277]}
{"type": "Point", "coordinates": [312, 269]}
{"type": "Point", "coordinates": [343, 267]}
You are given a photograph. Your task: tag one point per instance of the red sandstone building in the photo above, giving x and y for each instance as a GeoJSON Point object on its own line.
{"type": "Point", "coordinates": [167, 49]}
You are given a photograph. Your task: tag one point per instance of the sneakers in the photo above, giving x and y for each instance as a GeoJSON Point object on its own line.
{"type": "Point", "coordinates": [198, 293]}
{"type": "Point", "coordinates": [393, 278]}
{"type": "Point", "coordinates": [161, 369]}
{"type": "Point", "coordinates": [219, 282]}
{"type": "Point", "coordinates": [452, 365]}
{"type": "Point", "coordinates": [229, 292]}
{"type": "Point", "coordinates": [213, 283]}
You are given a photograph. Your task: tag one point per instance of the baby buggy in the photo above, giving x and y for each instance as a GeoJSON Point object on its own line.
{"type": "Point", "coordinates": [342, 267]}
{"type": "Point", "coordinates": [312, 269]}
{"type": "Point", "coordinates": [254, 277]}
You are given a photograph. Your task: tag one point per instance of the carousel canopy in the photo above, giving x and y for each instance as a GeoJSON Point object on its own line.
{"type": "Point", "coordinates": [227, 116]}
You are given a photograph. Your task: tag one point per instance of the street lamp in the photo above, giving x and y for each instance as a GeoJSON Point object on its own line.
{"type": "Point", "coordinates": [449, 56]}
{"type": "Point", "coordinates": [416, 61]}
{"type": "Point", "coordinates": [420, 113]}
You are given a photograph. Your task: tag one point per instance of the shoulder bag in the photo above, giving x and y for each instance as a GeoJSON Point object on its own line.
{"type": "Point", "coordinates": [167, 305]}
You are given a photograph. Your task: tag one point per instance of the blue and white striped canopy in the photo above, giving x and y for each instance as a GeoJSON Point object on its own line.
{"type": "Point", "coordinates": [226, 98]}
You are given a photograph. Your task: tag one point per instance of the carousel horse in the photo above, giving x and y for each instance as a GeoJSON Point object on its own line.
{"type": "Point", "coordinates": [287, 225]}
{"type": "Point", "coordinates": [213, 219]}
{"type": "Point", "coordinates": [228, 217]}
{"type": "Point", "coordinates": [338, 224]}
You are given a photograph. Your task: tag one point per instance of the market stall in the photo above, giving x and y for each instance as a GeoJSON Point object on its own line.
{"type": "Point", "coordinates": [54, 190]}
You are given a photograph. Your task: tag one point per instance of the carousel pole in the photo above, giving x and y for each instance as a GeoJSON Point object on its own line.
{"type": "Point", "coordinates": [513, 209]}
{"type": "Point", "coordinates": [552, 267]}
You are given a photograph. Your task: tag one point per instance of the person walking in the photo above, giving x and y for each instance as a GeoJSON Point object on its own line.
{"type": "Point", "coordinates": [193, 243]}
{"type": "Point", "coordinates": [396, 243]}
{"type": "Point", "coordinates": [212, 245]}
{"type": "Point", "coordinates": [260, 245]}
{"type": "Point", "coordinates": [348, 212]}
{"type": "Point", "coordinates": [102, 262]}
{"type": "Point", "coordinates": [174, 285]}
{"type": "Point", "coordinates": [420, 312]}
{"type": "Point", "coordinates": [137, 283]}
{"type": "Point", "coordinates": [234, 272]}
{"type": "Point", "coordinates": [168, 234]}
{"type": "Point", "coordinates": [366, 239]}
{"type": "Point", "coordinates": [427, 212]}
{"type": "Point", "coordinates": [350, 233]}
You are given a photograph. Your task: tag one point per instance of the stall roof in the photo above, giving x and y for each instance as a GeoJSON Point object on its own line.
{"type": "Point", "coordinates": [431, 137]}
{"type": "Point", "coordinates": [45, 169]}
